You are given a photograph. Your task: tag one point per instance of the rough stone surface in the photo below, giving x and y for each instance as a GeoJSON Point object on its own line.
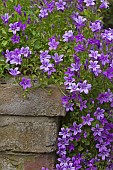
{"type": "Point", "coordinates": [40, 102]}
{"type": "Point", "coordinates": [29, 127]}
{"type": "Point", "coordinates": [26, 161]}
{"type": "Point", "coordinates": [28, 134]}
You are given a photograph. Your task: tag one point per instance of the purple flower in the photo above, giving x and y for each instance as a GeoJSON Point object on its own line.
{"type": "Point", "coordinates": [5, 18]}
{"type": "Point", "coordinates": [69, 106]}
{"type": "Point", "coordinates": [105, 97]}
{"type": "Point", "coordinates": [77, 160]}
{"type": "Point", "coordinates": [69, 72]}
{"type": "Point", "coordinates": [57, 58]}
{"type": "Point", "coordinates": [25, 51]}
{"type": "Point", "coordinates": [87, 120]}
{"type": "Point", "coordinates": [85, 134]}
{"type": "Point", "coordinates": [76, 128]}
{"type": "Point", "coordinates": [24, 14]}
{"type": "Point", "coordinates": [79, 20]}
{"type": "Point", "coordinates": [79, 48]}
{"type": "Point", "coordinates": [84, 87]}
{"type": "Point", "coordinates": [71, 147]}
{"type": "Point", "coordinates": [8, 55]}
{"type": "Point", "coordinates": [64, 133]}
{"type": "Point", "coordinates": [25, 83]}
{"type": "Point", "coordinates": [15, 39]}
{"type": "Point", "coordinates": [44, 55]}
{"type": "Point", "coordinates": [63, 160]}
{"type": "Point", "coordinates": [45, 65]}
{"type": "Point", "coordinates": [104, 59]}
{"type": "Point", "coordinates": [61, 151]}
{"type": "Point", "coordinates": [94, 54]}
{"type": "Point", "coordinates": [104, 153]}
{"type": "Point", "coordinates": [91, 165]}
{"type": "Point", "coordinates": [73, 87]}
{"type": "Point", "coordinates": [103, 121]}
{"type": "Point", "coordinates": [17, 51]}
{"type": "Point", "coordinates": [97, 130]}
{"type": "Point", "coordinates": [43, 13]}
{"type": "Point", "coordinates": [16, 59]}
{"type": "Point", "coordinates": [86, 64]}
{"type": "Point", "coordinates": [22, 26]}
{"type": "Point", "coordinates": [89, 2]}
{"type": "Point", "coordinates": [43, 168]}
{"type": "Point", "coordinates": [53, 43]}
{"type": "Point", "coordinates": [29, 20]}
{"type": "Point", "coordinates": [18, 9]}
{"type": "Point", "coordinates": [101, 146]}
{"type": "Point", "coordinates": [111, 65]}
{"type": "Point", "coordinates": [75, 66]}
{"type": "Point", "coordinates": [79, 38]}
{"type": "Point", "coordinates": [83, 104]}
{"type": "Point", "coordinates": [51, 70]}
{"type": "Point", "coordinates": [94, 67]}
{"type": "Point", "coordinates": [63, 142]}
{"type": "Point", "coordinates": [94, 42]}
{"type": "Point", "coordinates": [105, 4]}
{"type": "Point", "coordinates": [14, 27]}
{"type": "Point", "coordinates": [80, 5]}
{"type": "Point", "coordinates": [99, 113]}
{"type": "Point", "coordinates": [95, 26]}
{"type": "Point", "coordinates": [50, 6]}
{"type": "Point", "coordinates": [68, 36]}
{"type": "Point", "coordinates": [107, 35]}
{"type": "Point", "coordinates": [69, 80]}
{"type": "Point", "coordinates": [109, 73]}
{"type": "Point", "coordinates": [14, 72]}
{"type": "Point", "coordinates": [60, 5]}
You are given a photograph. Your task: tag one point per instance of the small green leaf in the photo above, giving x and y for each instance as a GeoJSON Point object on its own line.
{"type": "Point", "coordinates": [80, 148]}
{"type": "Point", "coordinates": [4, 43]}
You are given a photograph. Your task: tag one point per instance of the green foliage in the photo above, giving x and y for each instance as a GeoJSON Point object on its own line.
{"type": "Point", "coordinates": [108, 16]}
{"type": "Point", "coordinates": [36, 37]}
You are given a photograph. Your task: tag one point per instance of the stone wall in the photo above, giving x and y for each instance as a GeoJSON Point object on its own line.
{"type": "Point", "coordinates": [29, 127]}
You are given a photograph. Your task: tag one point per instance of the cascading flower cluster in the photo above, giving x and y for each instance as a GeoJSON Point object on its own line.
{"type": "Point", "coordinates": [16, 27]}
{"type": "Point", "coordinates": [72, 49]}
{"type": "Point", "coordinates": [15, 57]}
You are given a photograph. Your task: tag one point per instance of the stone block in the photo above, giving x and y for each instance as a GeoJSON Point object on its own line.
{"type": "Point", "coordinates": [40, 102]}
{"type": "Point", "coordinates": [26, 161]}
{"type": "Point", "coordinates": [28, 134]}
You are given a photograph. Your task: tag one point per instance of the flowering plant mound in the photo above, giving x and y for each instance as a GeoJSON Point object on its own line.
{"type": "Point", "coordinates": [63, 42]}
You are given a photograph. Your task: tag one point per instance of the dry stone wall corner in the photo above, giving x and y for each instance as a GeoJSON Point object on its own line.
{"type": "Point", "coordinates": [29, 127]}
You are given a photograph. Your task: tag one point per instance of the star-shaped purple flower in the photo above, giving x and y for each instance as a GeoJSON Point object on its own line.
{"type": "Point", "coordinates": [5, 18]}
{"type": "Point", "coordinates": [99, 113]}
{"type": "Point", "coordinates": [76, 128]}
{"type": "Point", "coordinates": [87, 120]}
{"type": "Point", "coordinates": [18, 9]}
{"type": "Point", "coordinates": [15, 39]}
{"type": "Point", "coordinates": [14, 72]}
{"type": "Point", "coordinates": [25, 83]}
{"type": "Point", "coordinates": [97, 130]}
{"type": "Point", "coordinates": [53, 44]}
{"type": "Point", "coordinates": [60, 5]}
{"type": "Point", "coordinates": [84, 87]}
{"type": "Point", "coordinates": [14, 27]}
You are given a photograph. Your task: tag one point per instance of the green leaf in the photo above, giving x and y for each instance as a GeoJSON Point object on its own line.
{"type": "Point", "coordinates": [80, 148]}
{"type": "Point", "coordinates": [4, 43]}
{"type": "Point", "coordinates": [87, 142]}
